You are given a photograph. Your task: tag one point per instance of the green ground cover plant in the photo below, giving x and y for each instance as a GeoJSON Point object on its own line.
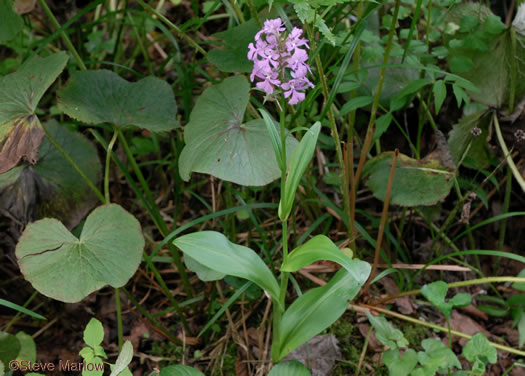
{"type": "Point", "coordinates": [237, 187]}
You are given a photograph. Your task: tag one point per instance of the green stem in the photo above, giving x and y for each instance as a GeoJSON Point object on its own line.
{"type": "Point", "coordinates": [108, 160]}
{"type": "Point", "coordinates": [88, 181]}
{"type": "Point", "coordinates": [162, 224]}
{"type": "Point", "coordinates": [175, 28]}
{"type": "Point", "coordinates": [65, 37]}
{"type": "Point", "coordinates": [333, 127]}
{"type": "Point", "coordinates": [506, 204]}
{"type": "Point", "coordinates": [277, 312]}
{"type": "Point", "coordinates": [507, 155]}
{"type": "Point", "coordinates": [119, 319]}
{"type": "Point", "coordinates": [442, 329]}
{"type": "Point", "coordinates": [471, 282]}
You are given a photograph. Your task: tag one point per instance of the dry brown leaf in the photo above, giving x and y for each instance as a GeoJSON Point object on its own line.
{"type": "Point", "coordinates": [465, 324]}
{"type": "Point", "coordinates": [24, 6]}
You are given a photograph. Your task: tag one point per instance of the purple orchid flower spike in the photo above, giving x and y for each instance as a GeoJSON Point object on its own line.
{"type": "Point", "coordinates": [280, 61]}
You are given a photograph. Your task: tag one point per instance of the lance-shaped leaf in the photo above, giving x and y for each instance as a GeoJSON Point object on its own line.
{"type": "Point", "coordinates": [52, 187]}
{"type": "Point", "coordinates": [319, 248]}
{"type": "Point", "coordinates": [291, 368]}
{"type": "Point", "coordinates": [415, 182]}
{"type": "Point", "coordinates": [220, 144]}
{"type": "Point", "coordinates": [102, 96]}
{"type": "Point", "coordinates": [67, 268]}
{"type": "Point", "coordinates": [315, 311]}
{"type": "Point", "coordinates": [20, 130]}
{"type": "Point", "coordinates": [298, 163]}
{"type": "Point", "coordinates": [215, 251]}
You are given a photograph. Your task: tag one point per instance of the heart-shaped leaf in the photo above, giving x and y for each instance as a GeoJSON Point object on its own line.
{"type": "Point", "coordinates": [315, 311]}
{"type": "Point", "coordinates": [215, 251]}
{"type": "Point", "coordinates": [27, 347]}
{"type": "Point", "coordinates": [53, 188]}
{"type": "Point", "coordinates": [102, 96]}
{"type": "Point", "coordinates": [67, 268]}
{"type": "Point", "coordinates": [20, 130]}
{"type": "Point", "coordinates": [415, 182]}
{"type": "Point", "coordinates": [220, 144]}
{"type": "Point", "coordinates": [319, 248]}
{"type": "Point", "coordinates": [234, 57]}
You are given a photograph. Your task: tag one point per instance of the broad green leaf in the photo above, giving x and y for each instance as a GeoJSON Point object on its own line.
{"type": "Point", "coordinates": [93, 333]}
{"type": "Point", "coordinates": [437, 357]}
{"type": "Point", "coordinates": [479, 351]}
{"type": "Point", "coordinates": [215, 251]}
{"type": "Point", "coordinates": [440, 93]}
{"type": "Point", "coordinates": [53, 188]}
{"type": "Point", "coordinates": [462, 141]}
{"type": "Point", "coordinates": [220, 144]}
{"type": "Point", "coordinates": [415, 183]}
{"type": "Point", "coordinates": [315, 311]}
{"type": "Point", "coordinates": [400, 365]}
{"type": "Point", "coordinates": [436, 292]}
{"type": "Point", "coordinates": [18, 308]}
{"type": "Point", "coordinates": [20, 130]}
{"type": "Point", "coordinates": [485, 55]}
{"type": "Point", "coordinates": [124, 358]}
{"type": "Point", "coordinates": [180, 370]}
{"type": "Point", "coordinates": [298, 163]}
{"type": "Point", "coordinates": [10, 22]}
{"type": "Point", "coordinates": [27, 347]}
{"type": "Point", "coordinates": [386, 333]}
{"type": "Point", "coordinates": [320, 248]}
{"type": "Point", "coordinates": [67, 268]}
{"type": "Point", "coordinates": [102, 96]}
{"type": "Point", "coordinates": [203, 272]}
{"type": "Point", "coordinates": [234, 57]}
{"type": "Point", "coordinates": [291, 368]}
{"type": "Point", "coordinates": [9, 347]}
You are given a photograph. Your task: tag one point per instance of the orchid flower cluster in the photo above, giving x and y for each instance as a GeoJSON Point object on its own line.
{"type": "Point", "coordinates": [280, 61]}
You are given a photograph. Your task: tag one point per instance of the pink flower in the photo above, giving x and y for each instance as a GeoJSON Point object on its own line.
{"type": "Point", "coordinates": [276, 57]}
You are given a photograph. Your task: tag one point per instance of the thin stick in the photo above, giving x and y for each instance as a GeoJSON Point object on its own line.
{"type": "Point", "coordinates": [382, 224]}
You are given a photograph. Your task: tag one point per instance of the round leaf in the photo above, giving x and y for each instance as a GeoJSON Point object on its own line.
{"type": "Point", "coordinates": [415, 183]}
{"type": "Point", "coordinates": [220, 144]}
{"type": "Point", "coordinates": [9, 347]}
{"type": "Point", "coordinates": [67, 268]}
{"type": "Point", "coordinates": [27, 347]}
{"type": "Point", "coordinates": [102, 96]}
{"type": "Point", "coordinates": [53, 187]}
